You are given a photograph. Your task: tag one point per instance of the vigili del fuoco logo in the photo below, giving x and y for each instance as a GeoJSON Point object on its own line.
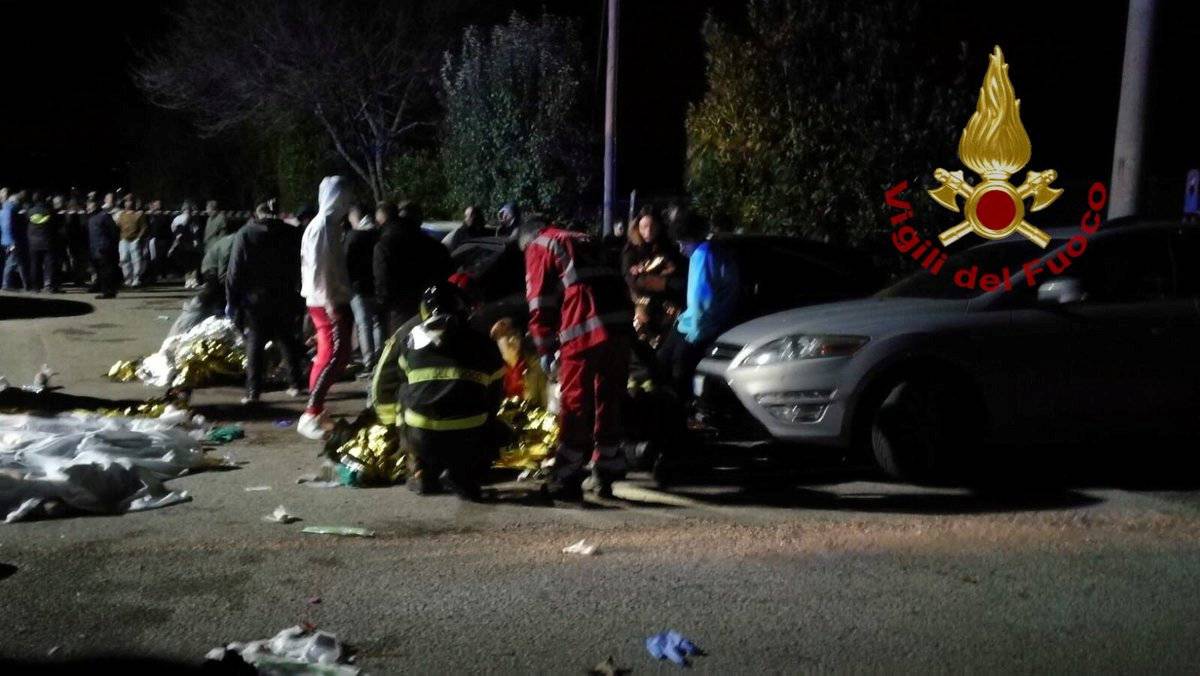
{"type": "Point", "coordinates": [994, 145]}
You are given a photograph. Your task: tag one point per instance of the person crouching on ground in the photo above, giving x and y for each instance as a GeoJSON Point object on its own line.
{"type": "Point", "coordinates": [451, 385]}
{"type": "Point", "coordinates": [261, 286]}
{"type": "Point", "coordinates": [325, 285]}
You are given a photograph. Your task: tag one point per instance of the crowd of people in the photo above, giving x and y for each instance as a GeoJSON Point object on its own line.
{"type": "Point", "coordinates": [104, 243]}
{"type": "Point", "coordinates": [350, 274]}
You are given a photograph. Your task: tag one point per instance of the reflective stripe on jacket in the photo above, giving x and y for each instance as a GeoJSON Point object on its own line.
{"type": "Point", "coordinates": [448, 376]}
{"type": "Point", "coordinates": [575, 300]}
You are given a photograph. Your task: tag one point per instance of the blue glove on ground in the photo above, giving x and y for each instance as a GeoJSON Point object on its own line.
{"type": "Point", "coordinates": [671, 645]}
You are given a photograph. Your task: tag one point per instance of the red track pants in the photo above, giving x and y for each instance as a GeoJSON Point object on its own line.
{"type": "Point", "coordinates": [592, 385]}
{"type": "Point", "coordinates": [333, 352]}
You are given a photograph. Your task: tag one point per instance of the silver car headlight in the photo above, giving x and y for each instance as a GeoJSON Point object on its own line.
{"type": "Point", "coordinates": [792, 348]}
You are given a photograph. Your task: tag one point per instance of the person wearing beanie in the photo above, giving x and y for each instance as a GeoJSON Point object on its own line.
{"type": "Point", "coordinates": [262, 290]}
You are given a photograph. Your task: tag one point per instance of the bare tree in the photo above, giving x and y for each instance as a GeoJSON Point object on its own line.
{"type": "Point", "coordinates": [363, 71]}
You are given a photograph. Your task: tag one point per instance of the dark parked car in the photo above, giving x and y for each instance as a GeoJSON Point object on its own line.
{"type": "Point", "coordinates": [776, 273]}
{"type": "Point", "coordinates": [926, 372]}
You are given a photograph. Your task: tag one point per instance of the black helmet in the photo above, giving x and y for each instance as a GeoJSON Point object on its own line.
{"type": "Point", "coordinates": [442, 299]}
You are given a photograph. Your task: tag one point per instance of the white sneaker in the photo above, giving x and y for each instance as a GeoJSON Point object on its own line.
{"type": "Point", "coordinates": [312, 426]}
{"type": "Point", "coordinates": [294, 392]}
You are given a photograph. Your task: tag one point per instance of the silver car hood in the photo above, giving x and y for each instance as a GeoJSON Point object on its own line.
{"type": "Point", "coordinates": [873, 317]}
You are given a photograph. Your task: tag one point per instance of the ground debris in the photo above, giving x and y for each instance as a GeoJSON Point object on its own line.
{"type": "Point", "coordinates": [582, 548]}
{"type": "Point", "coordinates": [608, 668]}
{"type": "Point", "coordinates": [352, 531]}
{"type": "Point", "coordinates": [281, 515]}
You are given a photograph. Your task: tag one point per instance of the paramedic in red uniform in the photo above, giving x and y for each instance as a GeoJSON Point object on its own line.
{"type": "Point", "coordinates": [579, 308]}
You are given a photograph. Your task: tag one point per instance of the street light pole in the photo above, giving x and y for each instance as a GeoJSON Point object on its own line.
{"type": "Point", "coordinates": [1131, 123]}
{"type": "Point", "coordinates": [610, 118]}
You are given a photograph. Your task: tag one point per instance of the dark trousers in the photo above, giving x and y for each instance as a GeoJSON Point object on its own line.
{"type": "Point", "coordinates": [44, 269]}
{"type": "Point", "coordinates": [677, 361]}
{"type": "Point", "coordinates": [108, 273]}
{"type": "Point", "coordinates": [265, 323]}
{"type": "Point", "coordinates": [463, 455]}
{"type": "Point", "coordinates": [592, 386]}
{"type": "Point", "coordinates": [80, 262]}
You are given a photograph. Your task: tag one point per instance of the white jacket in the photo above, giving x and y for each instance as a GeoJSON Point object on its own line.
{"type": "Point", "coordinates": [324, 280]}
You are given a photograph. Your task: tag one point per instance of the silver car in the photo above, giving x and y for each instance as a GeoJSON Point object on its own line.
{"type": "Point", "coordinates": [927, 371]}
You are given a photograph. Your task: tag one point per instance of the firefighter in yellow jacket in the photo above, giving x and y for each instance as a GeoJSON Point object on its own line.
{"type": "Point", "coordinates": [448, 388]}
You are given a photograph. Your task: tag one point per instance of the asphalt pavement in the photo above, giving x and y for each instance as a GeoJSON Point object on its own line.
{"type": "Point", "coordinates": [841, 572]}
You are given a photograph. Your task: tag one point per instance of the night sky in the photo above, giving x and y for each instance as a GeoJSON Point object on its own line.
{"type": "Point", "coordinates": [72, 117]}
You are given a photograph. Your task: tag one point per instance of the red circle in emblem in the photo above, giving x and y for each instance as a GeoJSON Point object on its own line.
{"type": "Point", "coordinates": [995, 210]}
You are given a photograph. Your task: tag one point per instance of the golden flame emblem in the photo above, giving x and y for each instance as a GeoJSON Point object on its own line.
{"type": "Point", "coordinates": [995, 146]}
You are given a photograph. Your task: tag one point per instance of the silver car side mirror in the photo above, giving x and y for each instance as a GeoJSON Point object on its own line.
{"type": "Point", "coordinates": [1060, 291]}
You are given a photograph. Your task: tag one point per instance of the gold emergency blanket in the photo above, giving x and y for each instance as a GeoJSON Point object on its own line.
{"type": "Point", "coordinates": [207, 361]}
{"type": "Point", "coordinates": [535, 433]}
{"type": "Point", "coordinates": [151, 408]}
{"type": "Point", "coordinates": [209, 352]}
{"type": "Point", "coordinates": [124, 371]}
{"type": "Point", "coordinates": [374, 455]}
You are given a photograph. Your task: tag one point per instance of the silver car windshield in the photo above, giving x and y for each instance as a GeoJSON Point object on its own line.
{"type": "Point", "coordinates": [990, 257]}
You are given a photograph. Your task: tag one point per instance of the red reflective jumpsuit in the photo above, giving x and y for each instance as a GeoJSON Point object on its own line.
{"type": "Point", "coordinates": [580, 306]}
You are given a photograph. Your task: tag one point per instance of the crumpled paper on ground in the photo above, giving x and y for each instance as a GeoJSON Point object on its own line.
{"type": "Point", "coordinates": [296, 650]}
{"type": "Point", "coordinates": [91, 463]}
{"type": "Point", "coordinates": [208, 352]}
{"type": "Point", "coordinates": [281, 515]}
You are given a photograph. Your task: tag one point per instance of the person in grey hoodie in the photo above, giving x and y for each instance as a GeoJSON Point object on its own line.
{"type": "Point", "coordinates": [325, 285]}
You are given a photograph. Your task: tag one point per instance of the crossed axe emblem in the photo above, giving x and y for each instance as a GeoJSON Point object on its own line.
{"type": "Point", "coordinates": [994, 209]}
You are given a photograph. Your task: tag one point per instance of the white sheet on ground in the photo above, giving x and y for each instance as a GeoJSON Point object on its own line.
{"type": "Point", "coordinates": [92, 463]}
{"type": "Point", "coordinates": [292, 651]}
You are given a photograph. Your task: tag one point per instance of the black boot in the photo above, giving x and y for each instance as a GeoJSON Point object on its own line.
{"type": "Point", "coordinates": [421, 484]}
{"type": "Point", "coordinates": [568, 494]}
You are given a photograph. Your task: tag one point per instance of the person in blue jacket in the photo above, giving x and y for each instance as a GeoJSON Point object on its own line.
{"type": "Point", "coordinates": [712, 300]}
{"type": "Point", "coordinates": [14, 240]}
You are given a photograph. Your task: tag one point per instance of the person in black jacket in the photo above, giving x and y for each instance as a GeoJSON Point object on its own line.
{"type": "Point", "coordinates": [262, 287]}
{"type": "Point", "coordinates": [45, 244]}
{"type": "Point", "coordinates": [76, 241]}
{"type": "Point", "coordinates": [102, 246]}
{"type": "Point", "coordinates": [406, 262]}
{"type": "Point", "coordinates": [160, 238]}
{"type": "Point", "coordinates": [451, 384]}
{"type": "Point", "coordinates": [360, 251]}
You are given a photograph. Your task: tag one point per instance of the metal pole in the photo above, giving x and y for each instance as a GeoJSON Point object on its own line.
{"type": "Point", "coordinates": [610, 118]}
{"type": "Point", "coordinates": [1131, 123]}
